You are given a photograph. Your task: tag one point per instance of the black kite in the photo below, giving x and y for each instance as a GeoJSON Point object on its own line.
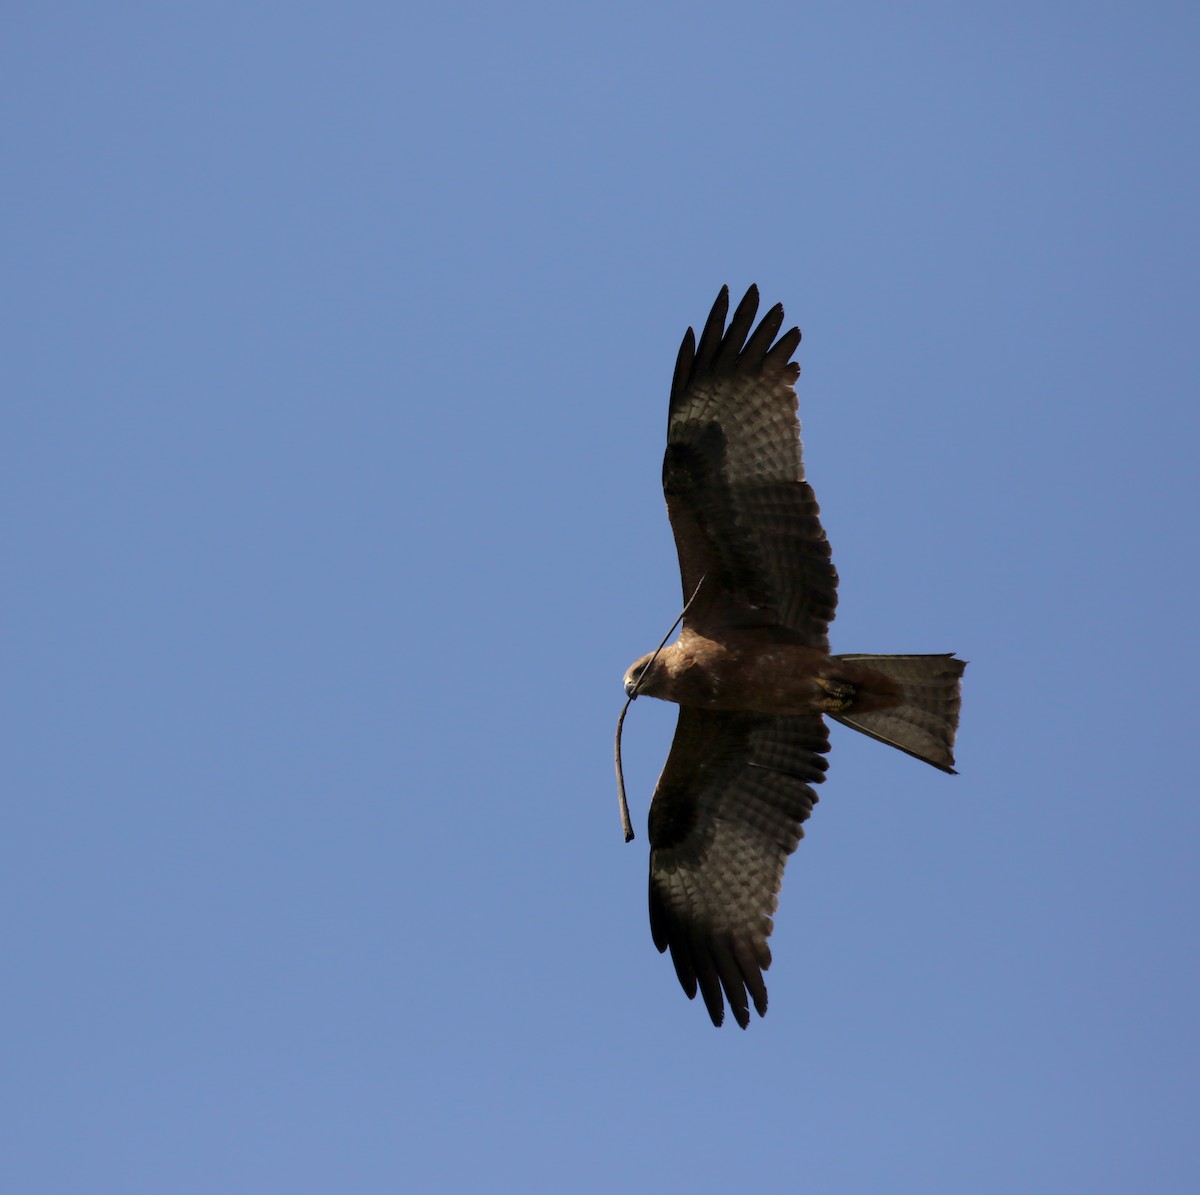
{"type": "Point", "coordinates": [751, 670]}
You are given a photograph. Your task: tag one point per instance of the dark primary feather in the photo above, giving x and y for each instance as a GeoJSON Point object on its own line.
{"type": "Point", "coordinates": [726, 814]}
{"type": "Point", "coordinates": [742, 514]}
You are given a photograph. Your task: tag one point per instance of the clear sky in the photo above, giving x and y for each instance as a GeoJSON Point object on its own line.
{"type": "Point", "coordinates": [337, 346]}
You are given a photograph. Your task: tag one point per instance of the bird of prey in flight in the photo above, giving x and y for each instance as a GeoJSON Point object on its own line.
{"type": "Point", "coordinates": [751, 671]}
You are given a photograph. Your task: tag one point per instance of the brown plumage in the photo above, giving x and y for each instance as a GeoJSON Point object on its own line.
{"type": "Point", "coordinates": [751, 670]}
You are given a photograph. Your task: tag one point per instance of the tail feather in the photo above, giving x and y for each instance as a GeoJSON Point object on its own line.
{"type": "Point", "coordinates": [925, 721]}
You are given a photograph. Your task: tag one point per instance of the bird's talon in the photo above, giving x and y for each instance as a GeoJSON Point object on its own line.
{"type": "Point", "coordinates": [840, 695]}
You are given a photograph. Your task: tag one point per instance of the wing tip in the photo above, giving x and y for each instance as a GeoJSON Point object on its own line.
{"type": "Point", "coordinates": [683, 367]}
{"type": "Point", "coordinates": [723, 348]}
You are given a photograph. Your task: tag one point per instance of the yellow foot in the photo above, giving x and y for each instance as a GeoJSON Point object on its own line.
{"type": "Point", "coordinates": [839, 696]}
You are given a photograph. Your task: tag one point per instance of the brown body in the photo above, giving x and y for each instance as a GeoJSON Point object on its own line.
{"type": "Point", "coordinates": [751, 671]}
{"type": "Point", "coordinates": [760, 672]}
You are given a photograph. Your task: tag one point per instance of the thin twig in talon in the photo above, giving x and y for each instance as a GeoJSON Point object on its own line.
{"type": "Point", "coordinates": [626, 824]}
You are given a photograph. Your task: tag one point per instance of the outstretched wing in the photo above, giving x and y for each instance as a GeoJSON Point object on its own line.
{"type": "Point", "coordinates": [726, 814]}
{"type": "Point", "coordinates": [744, 518]}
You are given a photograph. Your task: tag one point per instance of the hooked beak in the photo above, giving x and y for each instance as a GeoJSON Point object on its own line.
{"type": "Point", "coordinates": [631, 688]}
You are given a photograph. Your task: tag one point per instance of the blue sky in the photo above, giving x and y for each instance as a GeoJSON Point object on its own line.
{"type": "Point", "coordinates": [337, 348]}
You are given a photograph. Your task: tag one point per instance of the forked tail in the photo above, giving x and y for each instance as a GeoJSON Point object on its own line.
{"type": "Point", "coordinates": [924, 722]}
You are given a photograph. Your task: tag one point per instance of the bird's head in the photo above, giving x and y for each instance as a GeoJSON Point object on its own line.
{"type": "Point", "coordinates": [641, 677]}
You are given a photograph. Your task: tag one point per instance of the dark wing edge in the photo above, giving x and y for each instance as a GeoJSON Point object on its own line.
{"type": "Point", "coordinates": [727, 812]}
{"type": "Point", "coordinates": [723, 351]}
{"type": "Point", "coordinates": [742, 515]}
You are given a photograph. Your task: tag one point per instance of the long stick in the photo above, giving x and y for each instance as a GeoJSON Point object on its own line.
{"type": "Point", "coordinates": [626, 824]}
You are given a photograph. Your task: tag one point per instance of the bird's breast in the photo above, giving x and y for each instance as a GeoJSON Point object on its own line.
{"type": "Point", "coordinates": [752, 676]}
